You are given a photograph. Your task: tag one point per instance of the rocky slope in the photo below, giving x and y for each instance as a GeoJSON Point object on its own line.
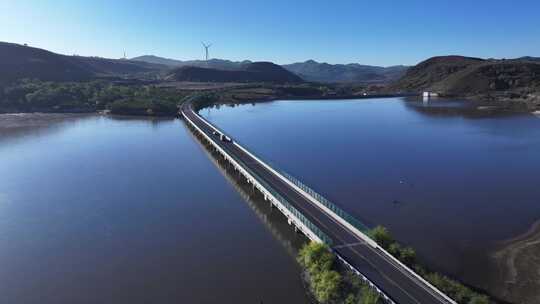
{"type": "Point", "coordinates": [514, 82]}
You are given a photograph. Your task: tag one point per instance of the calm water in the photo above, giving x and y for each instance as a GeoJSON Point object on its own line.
{"type": "Point", "coordinates": [109, 210]}
{"type": "Point", "coordinates": [102, 210]}
{"type": "Point", "coordinates": [446, 179]}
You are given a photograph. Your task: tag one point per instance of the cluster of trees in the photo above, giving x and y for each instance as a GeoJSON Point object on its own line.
{"type": "Point", "coordinates": [457, 291]}
{"type": "Point", "coordinates": [328, 282]}
{"type": "Point", "coordinates": [35, 95]}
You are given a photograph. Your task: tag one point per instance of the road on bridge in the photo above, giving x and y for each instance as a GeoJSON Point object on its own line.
{"type": "Point", "coordinates": [395, 281]}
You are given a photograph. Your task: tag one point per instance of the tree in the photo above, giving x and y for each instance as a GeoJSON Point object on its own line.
{"type": "Point", "coordinates": [395, 250]}
{"type": "Point", "coordinates": [327, 285]}
{"type": "Point", "coordinates": [477, 299]}
{"type": "Point", "coordinates": [350, 299]}
{"type": "Point", "coordinates": [316, 257]}
{"type": "Point", "coordinates": [369, 296]}
{"type": "Point", "coordinates": [319, 262]}
{"type": "Point", "coordinates": [408, 256]}
{"type": "Point", "coordinates": [381, 235]}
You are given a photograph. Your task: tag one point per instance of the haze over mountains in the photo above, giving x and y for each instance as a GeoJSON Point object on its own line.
{"type": "Point", "coordinates": [220, 64]}
{"type": "Point", "coordinates": [309, 70]}
{"type": "Point", "coordinates": [315, 71]}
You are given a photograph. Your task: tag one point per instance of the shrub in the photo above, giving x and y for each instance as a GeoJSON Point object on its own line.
{"type": "Point", "coordinates": [381, 235]}
{"type": "Point", "coordinates": [319, 262]}
{"type": "Point", "coordinates": [457, 291]}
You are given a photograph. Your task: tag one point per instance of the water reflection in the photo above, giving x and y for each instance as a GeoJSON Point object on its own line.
{"type": "Point", "coordinates": [441, 176]}
{"type": "Point", "coordinates": [270, 217]}
{"type": "Point", "coordinates": [456, 107]}
{"type": "Point", "coordinates": [129, 210]}
{"type": "Point", "coordinates": [36, 124]}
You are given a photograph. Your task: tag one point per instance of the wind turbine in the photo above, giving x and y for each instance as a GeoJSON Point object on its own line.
{"type": "Point", "coordinates": [206, 47]}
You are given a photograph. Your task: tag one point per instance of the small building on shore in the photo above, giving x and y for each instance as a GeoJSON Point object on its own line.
{"type": "Point", "coordinates": [428, 94]}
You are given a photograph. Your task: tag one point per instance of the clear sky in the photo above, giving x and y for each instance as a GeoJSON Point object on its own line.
{"type": "Point", "coordinates": [377, 32]}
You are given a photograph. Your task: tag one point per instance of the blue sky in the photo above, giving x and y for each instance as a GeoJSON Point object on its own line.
{"type": "Point", "coordinates": [377, 32]}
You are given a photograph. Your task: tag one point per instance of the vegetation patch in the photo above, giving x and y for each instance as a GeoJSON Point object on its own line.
{"type": "Point", "coordinates": [329, 281]}
{"type": "Point", "coordinates": [44, 96]}
{"type": "Point", "coordinates": [455, 290]}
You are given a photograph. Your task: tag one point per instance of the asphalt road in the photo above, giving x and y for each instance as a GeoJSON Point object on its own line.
{"type": "Point", "coordinates": [401, 286]}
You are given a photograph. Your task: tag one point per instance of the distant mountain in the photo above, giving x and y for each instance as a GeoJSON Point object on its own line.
{"type": "Point", "coordinates": [219, 64]}
{"type": "Point", "coordinates": [309, 70]}
{"type": "Point", "coordinates": [341, 73]}
{"type": "Point", "coordinates": [249, 72]}
{"type": "Point", "coordinates": [19, 61]}
{"type": "Point", "coordinates": [458, 75]}
{"type": "Point", "coordinates": [158, 60]}
{"type": "Point", "coordinates": [529, 58]}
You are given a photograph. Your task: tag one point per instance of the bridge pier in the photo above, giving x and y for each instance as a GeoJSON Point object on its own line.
{"type": "Point", "coordinates": [293, 215]}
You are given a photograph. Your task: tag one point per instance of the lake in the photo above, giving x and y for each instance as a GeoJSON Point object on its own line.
{"type": "Point", "coordinates": [119, 210]}
{"type": "Point", "coordinates": [99, 209]}
{"type": "Point", "coordinates": [447, 179]}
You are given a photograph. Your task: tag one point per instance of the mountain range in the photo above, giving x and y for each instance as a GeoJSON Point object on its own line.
{"type": "Point", "coordinates": [309, 70]}
{"type": "Point", "coordinates": [448, 75]}
{"type": "Point", "coordinates": [220, 64]}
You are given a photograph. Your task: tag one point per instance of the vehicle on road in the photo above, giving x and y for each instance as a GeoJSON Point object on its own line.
{"type": "Point", "coordinates": [225, 138]}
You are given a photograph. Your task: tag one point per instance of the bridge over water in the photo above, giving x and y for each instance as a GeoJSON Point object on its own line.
{"type": "Point", "coordinates": [321, 220]}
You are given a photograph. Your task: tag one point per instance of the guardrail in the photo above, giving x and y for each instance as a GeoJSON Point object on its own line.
{"type": "Point", "coordinates": [347, 218]}
{"type": "Point", "coordinates": [305, 221]}
{"type": "Point", "coordinates": [325, 238]}
{"type": "Point", "coordinates": [337, 210]}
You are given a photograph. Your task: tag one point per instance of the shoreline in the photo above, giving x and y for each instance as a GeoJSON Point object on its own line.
{"type": "Point", "coordinates": [502, 106]}
{"type": "Point", "coordinates": [517, 263]}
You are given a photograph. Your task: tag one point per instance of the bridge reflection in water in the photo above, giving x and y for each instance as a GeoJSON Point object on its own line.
{"type": "Point", "coordinates": [319, 219]}
{"type": "Point", "coordinates": [274, 221]}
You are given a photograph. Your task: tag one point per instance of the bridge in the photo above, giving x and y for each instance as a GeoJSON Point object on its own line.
{"type": "Point", "coordinates": [320, 220]}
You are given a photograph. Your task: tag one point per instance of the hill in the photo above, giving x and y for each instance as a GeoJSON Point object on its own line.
{"type": "Point", "coordinates": [458, 75]}
{"type": "Point", "coordinates": [428, 72]}
{"type": "Point", "coordinates": [219, 64]}
{"type": "Point", "coordinates": [345, 73]}
{"type": "Point", "coordinates": [19, 61]}
{"type": "Point", "coordinates": [158, 60]}
{"type": "Point", "coordinates": [250, 72]}
{"type": "Point", "coordinates": [514, 81]}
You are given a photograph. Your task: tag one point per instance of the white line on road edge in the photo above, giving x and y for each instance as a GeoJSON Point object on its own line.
{"type": "Point", "coordinates": [338, 218]}
{"type": "Point", "coordinates": [311, 235]}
